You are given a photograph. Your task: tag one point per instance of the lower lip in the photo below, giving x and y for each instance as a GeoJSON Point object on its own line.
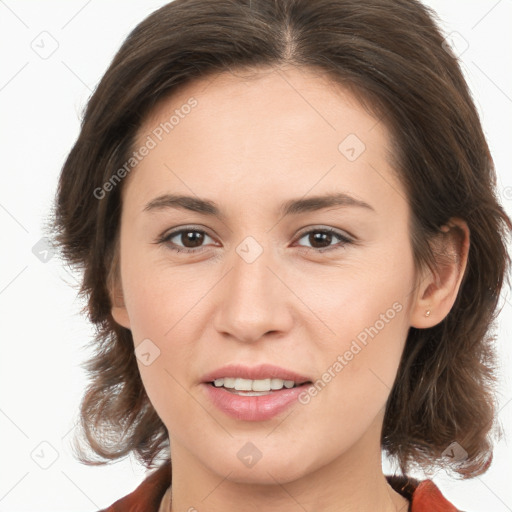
{"type": "Point", "coordinates": [253, 408]}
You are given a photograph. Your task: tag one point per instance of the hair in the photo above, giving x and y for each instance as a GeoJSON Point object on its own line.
{"type": "Point", "coordinates": [389, 53]}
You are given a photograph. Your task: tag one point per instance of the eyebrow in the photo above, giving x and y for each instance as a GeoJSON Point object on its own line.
{"type": "Point", "coordinates": [290, 207]}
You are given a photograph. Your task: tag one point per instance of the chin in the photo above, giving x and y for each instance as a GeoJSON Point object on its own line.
{"type": "Point", "coordinates": [267, 470]}
{"type": "Point", "coordinates": [266, 474]}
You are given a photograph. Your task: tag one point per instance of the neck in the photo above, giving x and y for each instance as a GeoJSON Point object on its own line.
{"type": "Point", "coordinates": [352, 482]}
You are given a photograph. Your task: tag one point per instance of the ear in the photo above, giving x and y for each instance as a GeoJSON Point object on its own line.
{"type": "Point", "coordinates": [118, 310]}
{"type": "Point", "coordinates": [439, 286]}
{"type": "Point", "coordinates": [115, 289]}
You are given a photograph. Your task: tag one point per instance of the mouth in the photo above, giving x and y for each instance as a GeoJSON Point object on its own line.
{"type": "Point", "coordinates": [255, 387]}
{"type": "Point", "coordinates": [257, 393]}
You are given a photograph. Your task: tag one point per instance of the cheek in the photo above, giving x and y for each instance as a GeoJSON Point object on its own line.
{"type": "Point", "coordinates": [159, 298]}
{"type": "Point", "coordinates": [164, 306]}
{"type": "Point", "coordinates": [357, 370]}
{"type": "Point", "coordinates": [363, 299]}
{"type": "Point", "coordinates": [366, 312]}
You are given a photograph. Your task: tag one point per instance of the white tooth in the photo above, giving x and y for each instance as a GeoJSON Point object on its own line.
{"type": "Point", "coordinates": [288, 384]}
{"type": "Point", "coordinates": [251, 393]}
{"type": "Point", "coordinates": [218, 383]}
{"type": "Point", "coordinates": [276, 383]}
{"type": "Point", "coordinates": [229, 382]}
{"type": "Point", "coordinates": [243, 385]}
{"type": "Point", "coordinates": [261, 385]}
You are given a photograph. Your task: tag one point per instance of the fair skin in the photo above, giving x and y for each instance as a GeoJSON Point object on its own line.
{"type": "Point", "coordinates": [249, 146]}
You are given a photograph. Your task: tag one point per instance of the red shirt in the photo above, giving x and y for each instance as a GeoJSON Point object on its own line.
{"type": "Point", "coordinates": [423, 496]}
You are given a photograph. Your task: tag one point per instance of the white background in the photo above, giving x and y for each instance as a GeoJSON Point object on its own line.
{"type": "Point", "coordinates": [43, 334]}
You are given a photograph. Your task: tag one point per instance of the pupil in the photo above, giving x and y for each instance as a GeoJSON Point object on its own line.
{"type": "Point", "coordinates": [320, 237]}
{"type": "Point", "coordinates": [194, 237]}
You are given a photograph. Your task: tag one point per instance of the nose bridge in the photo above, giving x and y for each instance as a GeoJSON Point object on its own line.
{"type": "Point", "coordinates": [254, 302]}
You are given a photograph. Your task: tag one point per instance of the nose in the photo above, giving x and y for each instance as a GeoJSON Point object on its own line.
{"type": "Point", "coordinates": [254, 300]}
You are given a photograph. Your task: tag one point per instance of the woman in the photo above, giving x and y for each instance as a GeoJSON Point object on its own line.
{"type": "Point", "coordinates": [292, 249]}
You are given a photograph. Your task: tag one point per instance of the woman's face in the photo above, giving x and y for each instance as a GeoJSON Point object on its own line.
{"type": "Point", "coordinates": [292, 249]}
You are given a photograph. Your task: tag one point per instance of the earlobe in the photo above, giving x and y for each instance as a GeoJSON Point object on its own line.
{"type": "Point", "coordinates": [440, 285]}
{"type": "Point", "coordinates": [118, 309]}
{"type": "Point", "coordinates": [120, 315]}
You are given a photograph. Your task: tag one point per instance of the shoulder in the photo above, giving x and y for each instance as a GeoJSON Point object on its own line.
{"type": "Point", "coordinates": [424, 495]}
{"type": "Point", "coordinates": [148, 495]}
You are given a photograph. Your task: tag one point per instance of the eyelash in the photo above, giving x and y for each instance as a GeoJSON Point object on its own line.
{"type": "Point", "coordinates": [165, 239]}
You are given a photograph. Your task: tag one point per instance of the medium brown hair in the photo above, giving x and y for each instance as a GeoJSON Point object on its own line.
{"type": "Point", "coordinates": [391, 54]}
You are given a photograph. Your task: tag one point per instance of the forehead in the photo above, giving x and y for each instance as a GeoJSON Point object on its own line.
{"type": "Point", "coordinates": [291, 94]}
{"type": "Point", "coordinates": [264, 131]}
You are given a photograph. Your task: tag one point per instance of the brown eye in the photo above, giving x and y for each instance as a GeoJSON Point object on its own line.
{"type": "Point", "coordinates": [186, 240]}
{"type": "Point", "coordinates": [322, 239]}
{"type": "Point", "coordinates": [192, 238]}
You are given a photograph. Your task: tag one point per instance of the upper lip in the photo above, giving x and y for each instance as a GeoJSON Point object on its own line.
{"type": "Point", "coordinates": [262, 371]}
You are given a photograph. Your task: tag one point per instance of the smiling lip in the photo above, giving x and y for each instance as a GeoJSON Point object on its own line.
{"type": "Point", "coordinates": [263, 371]}
{"type": "Point", "coordinates": [253, 408]}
